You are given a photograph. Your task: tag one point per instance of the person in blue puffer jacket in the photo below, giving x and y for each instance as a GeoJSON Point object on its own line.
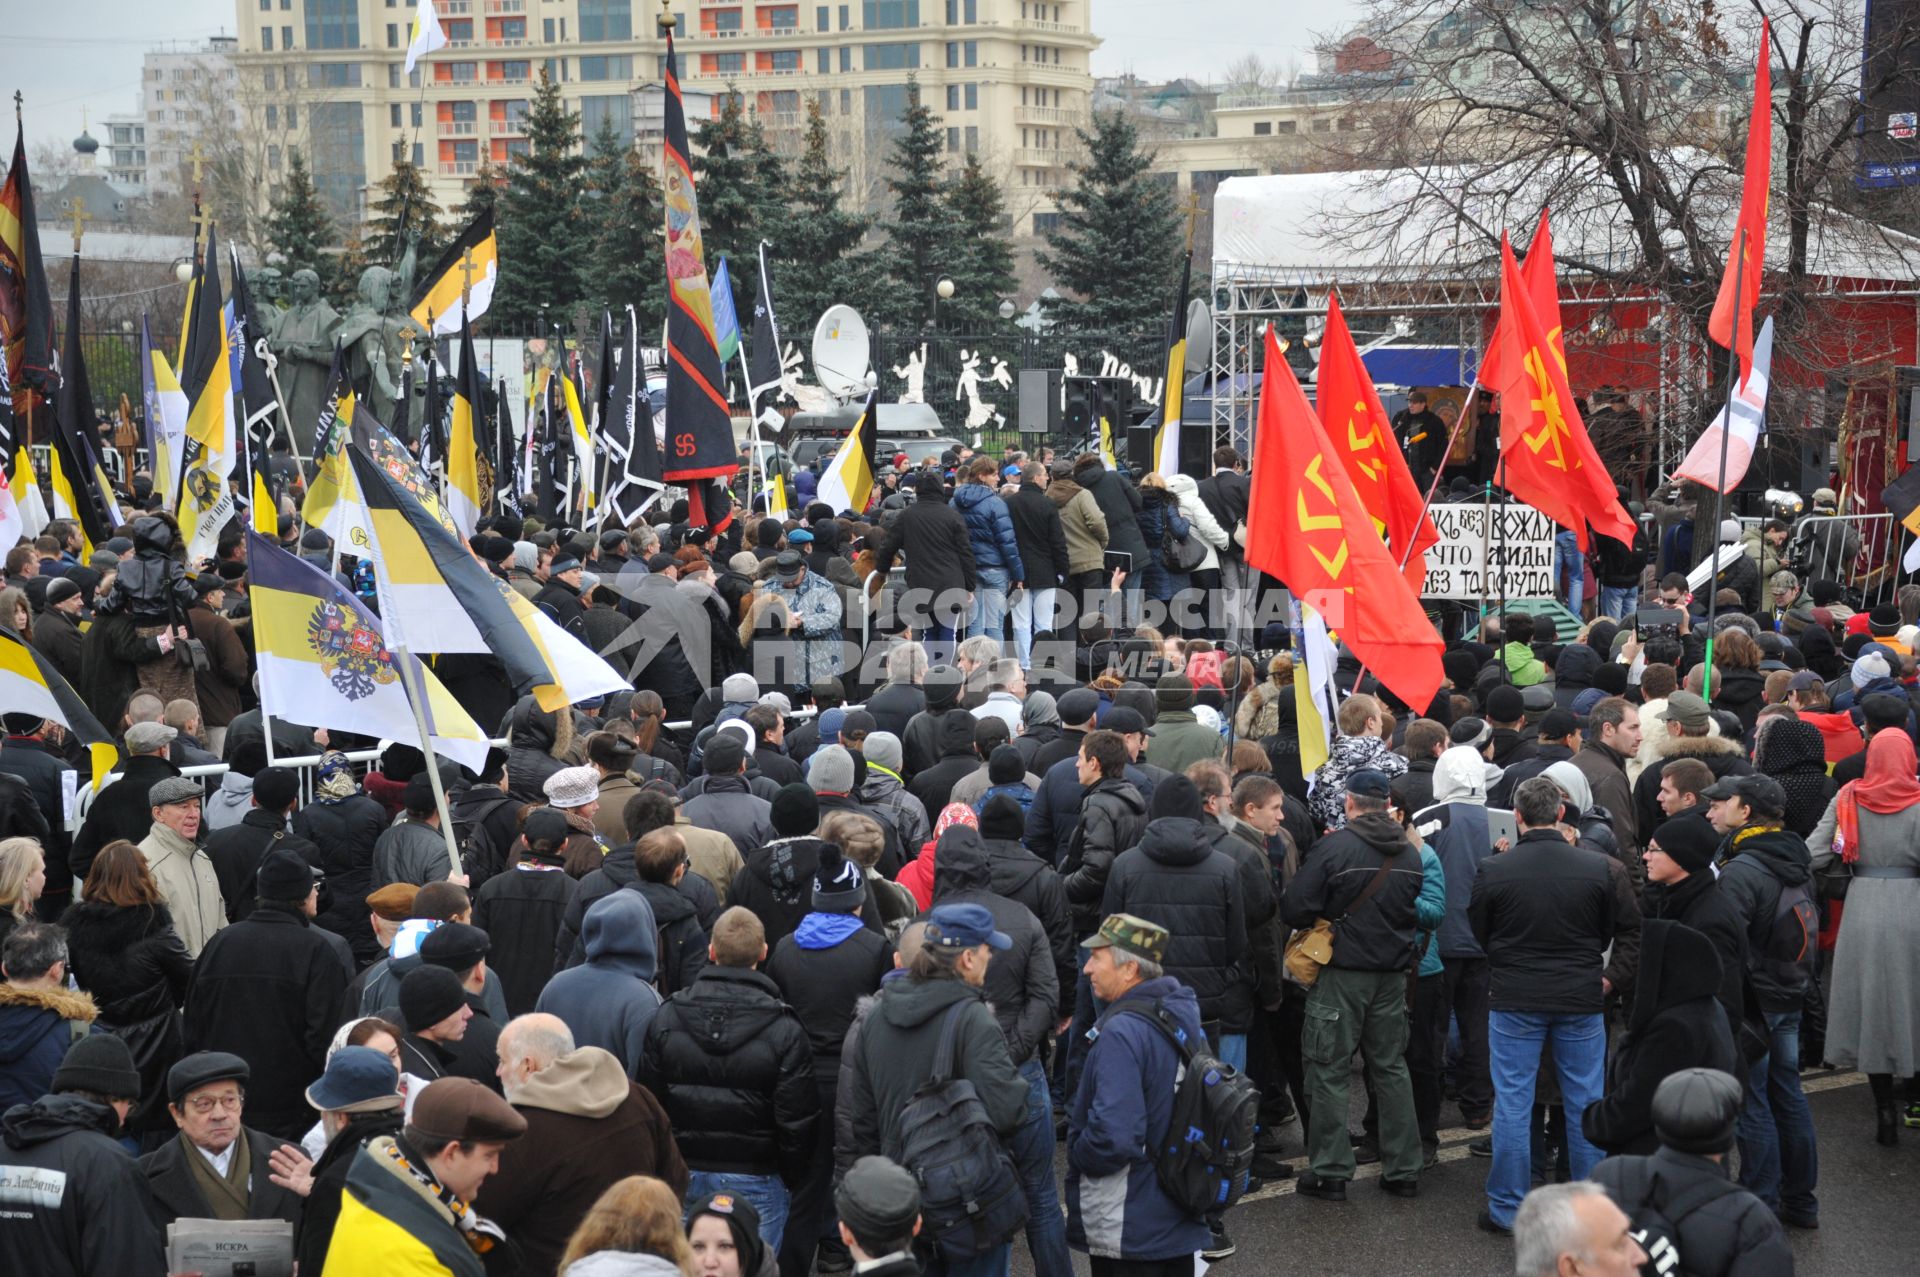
{"type": "Point", "coordinates": [1116, 1208]}
{"type": "Point", "coordinates": [996, 555]}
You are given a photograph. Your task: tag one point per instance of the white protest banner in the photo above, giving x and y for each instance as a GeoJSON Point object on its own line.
{"type": "Point", "coordinates": [1458, 567]}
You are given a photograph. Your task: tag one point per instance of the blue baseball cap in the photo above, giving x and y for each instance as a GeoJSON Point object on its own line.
{"type": "Point", "coordinates": [1011, 472]}
{"type": "Point", "coordinates": [830, 723]}
{"type": "Point", "coordinates": [963, 927]}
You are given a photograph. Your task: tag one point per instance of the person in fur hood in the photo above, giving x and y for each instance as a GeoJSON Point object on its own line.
{"type": "Point", "coordinates": [1682, 731]}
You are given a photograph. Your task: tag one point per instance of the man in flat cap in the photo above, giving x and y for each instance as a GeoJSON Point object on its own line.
{"type": "Point", "coordinates": [1128, 1085]}
{"type": "Point", "coordinates": [879, 1205]}
{"type": "Point", "coordinates": [407, 1205]}
{"type": "Point", "coordinates": [216, 1168]}
{"type": "Point", "coordinates": [267, 989]}
{"type": "Point", "coordinates": [124, 809]}
{"type": "Point", "coordinates": [98, 1221]}
{"type": "Point", "coordinates": [180, 865]}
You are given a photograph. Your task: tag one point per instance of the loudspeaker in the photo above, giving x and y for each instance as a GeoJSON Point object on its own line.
{"type": "Point", "coordinates": [1196, 448]}
{"type": "Point", "coordinates": [1140, 447]}
{"type": "Point", "coordinates": [1040, 400]}
{"type": "Point", "coordinates": [1088, 399]}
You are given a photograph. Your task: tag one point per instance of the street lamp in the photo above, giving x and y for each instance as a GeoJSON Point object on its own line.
{"type": "Point", "coordinates": [944, 288]}
{"type": "Point", "coordinates": [1007, 308]}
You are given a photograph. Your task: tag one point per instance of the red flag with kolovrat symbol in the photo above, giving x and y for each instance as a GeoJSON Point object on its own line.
{"type": "Point", "coordinates": [1357, 423]}
{"type": "Point", "coordinates": [1307, 526]}
{"type": "Point", "coordinates": [1731, 323]}
{"type": "Point", "coordinates": [1546, 457]}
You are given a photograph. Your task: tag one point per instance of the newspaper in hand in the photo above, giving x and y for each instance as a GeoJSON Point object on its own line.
{"type": "Point", "coordinates": [230, 1248]}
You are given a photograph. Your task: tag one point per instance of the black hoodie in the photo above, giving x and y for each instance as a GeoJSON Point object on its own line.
{"type": "Point", "coordinates": [923, 741]}
{"type": "Point", "coordinates": [1677, 1023]}
{"type": "Point", "coordinates": [1179, 879]}
{"type": "Point", "coordinates": [933, 784]}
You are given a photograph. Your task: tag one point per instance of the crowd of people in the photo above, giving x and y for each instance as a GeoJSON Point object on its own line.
{"type": "Point", "coordinates": [926, 854]}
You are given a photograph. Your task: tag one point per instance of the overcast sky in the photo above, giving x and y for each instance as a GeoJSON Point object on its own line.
{"type": "Point", "coordinates": [86, 53]}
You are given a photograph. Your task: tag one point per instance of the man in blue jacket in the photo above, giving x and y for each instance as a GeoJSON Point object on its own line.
{"type": "Point", "coordinates": [996, 553]}
{"type": "Point", "coordinates": [1116, 1209]}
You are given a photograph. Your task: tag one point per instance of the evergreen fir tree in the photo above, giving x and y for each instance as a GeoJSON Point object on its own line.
{"type": "Point", "coordinates": [404, 205]}
{"type": "Point", "coordinates": [920, 236]}
{"type": "Point", "coordinates": [344, 285]}
{"type": "Point", "coordinates": [299, 228]}
{"type": "Point", "coordinates": [543, 234]}
{"type": "Point", "coordinates": [983, 274]}
{"type": "Point", "coordinates": [1116, 251]}
{"type": "Point", "coordinates": [626, 265]}
{"type": "Point", "coordinates": [817, 261]}
{"type": "Point", "coordinates": [741, 186]}
{"type": "Point", "coordinates": [483, 196]}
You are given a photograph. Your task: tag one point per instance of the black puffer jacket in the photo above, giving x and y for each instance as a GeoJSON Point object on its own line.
{"type": "Point", "coordinates": [894, 705]}
{"type": "Point", "coordinates": [823, 980]}
{"type": "Point", "coordinates": [344, 831]}
{"type": "Point", "coordinates": [730, 1063]}
{"type": "Point", "coordinates": [1113, 816]}
{"type": "Point", "coordinates": [531, 748]}
{"type": "Point", "coordinates": [1734, 1235]}
{"type": "Point", "coordinates": [1177, 878]}
{"type": "Point", "coordinates": [1380, 935]}
{"type": "Point", "coordinates": [137, 969]}
{"type": "Point", "coordinates": [152, 586]}
{"type": "Point", "coordinates": [1677, 1024]}
{"type": "Point", "coordinates": [1023, 986]}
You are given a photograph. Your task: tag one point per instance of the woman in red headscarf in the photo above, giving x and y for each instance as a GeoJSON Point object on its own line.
{"type": "Point", "coordinates": [1872, 828]}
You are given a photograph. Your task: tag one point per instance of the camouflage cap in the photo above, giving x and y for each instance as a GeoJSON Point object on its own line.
{"type": "Point", "coordinates": [1136, 935]}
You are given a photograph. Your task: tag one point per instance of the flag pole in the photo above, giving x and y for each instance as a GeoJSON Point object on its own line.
{"type": "Point", "coordinates": [416, 696]}
{"type": "Point", "coordinates": [1506, 675]}
{"type": "Point", "coordinates": [1719, 488]}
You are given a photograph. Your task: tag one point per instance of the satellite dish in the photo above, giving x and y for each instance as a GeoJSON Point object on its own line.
{"type": "Point", "coordinates": [841, 352]}
{"type": "Point", "coordinates": [1199, 334]}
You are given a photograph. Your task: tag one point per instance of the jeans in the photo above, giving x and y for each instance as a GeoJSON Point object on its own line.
{"type": "Point", "coordinates": [1032, 614]}
{"type": "Point", "coordinates": [1619, 602]}
{"type": "Point", "coordinates": [997, 1262]}
{"type": "Point", "coordinates": [989, 603]}
{"type": "Point", "coordinates": [1032, 1151]}
{"type": "Point", "coordinates": [1779, 1161]}
{"type": "Point", "coordinates": [767, 1193]}
{"type": "Point", "coordinates": [1580, 1055]}
{"type": "Point", "coordinates": [1567, 558]}
{"type": "Point", "coordinates": [938, 639]}
{"type": "Point", "coordinates": [1466, 994]}
{"type": "Point", "coordinates": [1233, 1050]}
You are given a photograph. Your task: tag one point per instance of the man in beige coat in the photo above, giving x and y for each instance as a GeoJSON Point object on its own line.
{"type": "Point", "coordinates": [180, 866]}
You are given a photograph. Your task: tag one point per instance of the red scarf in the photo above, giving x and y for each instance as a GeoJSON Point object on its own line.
{"type": "Point", "coordinates": [1889, 785]}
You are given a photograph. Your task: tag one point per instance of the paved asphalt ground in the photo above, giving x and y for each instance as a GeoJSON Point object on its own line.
{"type": "Point", "coordinates": [1869, 1210]}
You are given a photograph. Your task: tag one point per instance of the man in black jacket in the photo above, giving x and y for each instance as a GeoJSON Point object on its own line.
{"type": "Point", "coordinates": [1021, 876]}
{"type": "Point", "coordinates": [560, 598]}
{"type": "Point", "coordinates": [895, 702]}
{"type": "Point", "coordinates": [1364, 877]}
{"type": "Point", "coordinates": [1761, 860]}
{"type": "Point", "coordinates": [1545, 912]}
{"type": "Point", "coordinates": [921, 740]}
{"type": "Point", "coordinates": [267, 992]}
{"type": "Point", "coordinates": [98, 1221]}
{"type": "Point", "coordinates": [1681, 887]}
{"type": "Point", "coordinates": [1042, 541]}
{"type": "Point", "coordinates": [121, 810]}
{"type": "Point", "coordinates": [932, 537]}
{"type": "Point", "coordinates": [731, 1065]}
{"type": "Point", "coordinates": [660, 859]}
{"type": "Point", "coordinates": [216, 1168]}
{"type": "Point", "coordinates": [1558, 741]}
{"type": "Point", "coordinates": [237, 850]}
{"type": "Point", "coordinates": [1717, 1227]}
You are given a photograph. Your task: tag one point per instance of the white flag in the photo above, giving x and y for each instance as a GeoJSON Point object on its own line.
{"type": "Point", "coordinates": [427, 35]}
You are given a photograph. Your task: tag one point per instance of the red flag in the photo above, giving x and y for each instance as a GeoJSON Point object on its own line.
{"type": "Point", "coordinates": [1357, 422]}
{"type": "Point", "coordinates": [1732, 321]}
{"type": "Point", "coordinates": [1546, 458]}
{"type": "Point", "coordinates": [1537, 273]}
{"type": "Point", "coordinates": [1306, 526]}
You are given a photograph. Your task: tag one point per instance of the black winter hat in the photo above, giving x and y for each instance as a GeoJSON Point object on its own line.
{"type": "Point", "coordinates": [100, 1063]}
{"type": "Point", "coordinates": [1175, 796]}
{"type": "Point", "coordinates": [796, 811]}
{"type": "Point", "coordinates": [1004, 766]}
{"type": "Point", "coordinates": [429, 995]}
{"type": "Point", "coordinates": [838, 884]}
{"type": "Point", "coordinates": [1688, 841]}
{"type": "Point", "coordinates": [1001, 818]}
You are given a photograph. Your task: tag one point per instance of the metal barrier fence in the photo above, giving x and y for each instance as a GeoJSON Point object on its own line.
{"type": "Point", "coordinates": [1874, 569]}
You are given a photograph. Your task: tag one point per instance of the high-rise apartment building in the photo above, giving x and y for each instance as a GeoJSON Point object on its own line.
{"type": "Point", "coordinates": [1008, 78]}
{"type": "Point", "coordinates": [187, 95]}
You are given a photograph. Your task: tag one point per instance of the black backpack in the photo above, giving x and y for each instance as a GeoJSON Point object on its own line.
{"type": "Point", "coordinates": [1207, 1155]}
{"type": "Point", "coordinates": [1792, 943]}
{"type": "Point", "coordinates": [480, 858]}
{"type": "Point", "coordinates": [970, 1194]}
{"type": "Point", "coordinates": [1657, 1228]}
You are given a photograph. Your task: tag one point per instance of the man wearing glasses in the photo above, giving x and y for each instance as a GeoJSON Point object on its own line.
{"type": "Point", "coordinates": [216, 1168]}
